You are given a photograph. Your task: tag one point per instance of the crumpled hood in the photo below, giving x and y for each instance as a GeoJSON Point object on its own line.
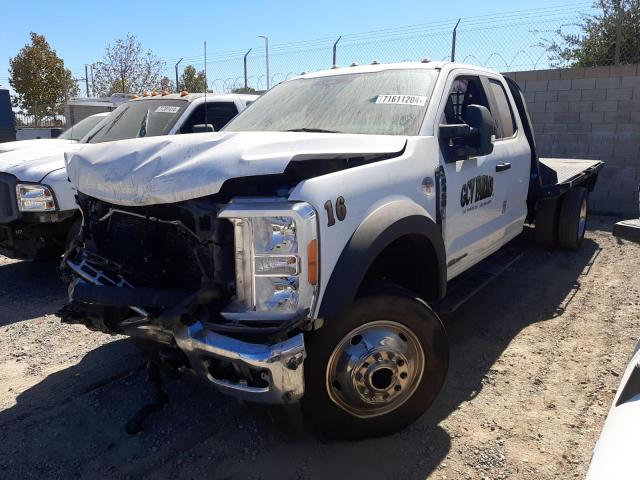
{"type": "Point", "coordinates": [36, 142]}
{"type": "Point", "coordinates": [175, 168]}
{"type": "Point", "coordinates": [33, 164]}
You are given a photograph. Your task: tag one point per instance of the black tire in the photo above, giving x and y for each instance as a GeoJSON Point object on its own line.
{"type": "Point", "coordinates": [72, 233]}
{"type": "Point", "coordinates": [546, 229]}
{"type": "Point", "coordinates": [399, 308]}
{"type": "Point", "coordinates": [570, 228]}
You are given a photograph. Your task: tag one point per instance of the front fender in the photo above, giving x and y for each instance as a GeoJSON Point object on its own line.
{"type": "Point", "coordinates": [378, 230]}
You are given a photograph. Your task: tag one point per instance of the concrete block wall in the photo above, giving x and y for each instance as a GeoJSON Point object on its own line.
{"type": "Point", "coordinates": [591, 113]}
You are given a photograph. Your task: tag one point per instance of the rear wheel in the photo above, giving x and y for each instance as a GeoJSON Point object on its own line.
{"type": "Point", "coordinates": [572, 223]}
{"type": "Point", "coordinates": [376, 369]}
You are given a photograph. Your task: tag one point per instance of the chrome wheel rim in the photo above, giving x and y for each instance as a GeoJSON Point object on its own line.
{"type": "Point", "coordinates": [375, 368]}
{"type": "Point", "coordinates": [582, 221]}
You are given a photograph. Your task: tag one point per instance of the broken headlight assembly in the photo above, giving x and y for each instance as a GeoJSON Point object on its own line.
{"type": "Point", "coordinates": [35, 198]}
{"type": "Point", "coordinates": [276, 258]}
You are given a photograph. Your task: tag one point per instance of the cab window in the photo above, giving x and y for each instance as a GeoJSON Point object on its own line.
{"type": "Point", "coordinates": [465, 90]}
{"type": "Point", "coordinates": [505, 122]}
{"type": "Point", "coordinates": [218, 115]}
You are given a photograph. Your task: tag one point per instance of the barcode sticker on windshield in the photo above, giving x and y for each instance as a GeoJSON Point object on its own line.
{"type": "Point", "coordinates": [416, 100]}
{"type": "Point", "coordinates": [167, 109]}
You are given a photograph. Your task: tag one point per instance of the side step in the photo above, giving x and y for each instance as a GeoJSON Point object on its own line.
{"type": "Point", "coordinates": [465, 286]}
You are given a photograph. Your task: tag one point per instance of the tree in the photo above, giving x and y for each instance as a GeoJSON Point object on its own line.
{"type": "Point", "coordinates": [40, 80]}
{"type": "Point", "coordinates": [166, 85]}
{"type": "Point", "coordinates": [597, 43]}
{"type": "Point", "coordinates": [250, 90]}
{"type": "Point", "coordinates": [126, 68]}
{"type": "Point", "coordinates": [191, 81]}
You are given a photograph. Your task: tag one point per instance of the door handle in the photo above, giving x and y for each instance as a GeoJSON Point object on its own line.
{"type": "Point", "coordinates": [501, 167]}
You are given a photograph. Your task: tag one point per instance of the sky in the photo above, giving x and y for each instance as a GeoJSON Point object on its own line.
{"type": "Point", "coordinates": [80, 31]}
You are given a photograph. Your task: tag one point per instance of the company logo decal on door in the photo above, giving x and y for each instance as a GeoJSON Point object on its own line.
{"type": "Point", "coordinates": [476, 193]}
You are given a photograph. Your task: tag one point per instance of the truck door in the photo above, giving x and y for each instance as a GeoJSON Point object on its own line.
{"type": "Point", "coordinates": [514, 152]}
{"type": "Point", "coordinates": [476, 187]}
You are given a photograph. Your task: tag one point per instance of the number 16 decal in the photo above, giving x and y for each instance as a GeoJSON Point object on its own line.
{"type": "Point", "coordinates": [341, 211]}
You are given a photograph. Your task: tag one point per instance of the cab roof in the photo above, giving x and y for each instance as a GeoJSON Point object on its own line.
{"type": "Point", "coordinates": [190, 97]}
{"type": "Point", "coordinates": [378, 67]}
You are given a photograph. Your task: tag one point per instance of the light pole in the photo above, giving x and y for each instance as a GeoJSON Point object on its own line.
{"type": "Point", "coordinates": [266, 50]}
{"type": "Point", "coordinates": [177, 85]}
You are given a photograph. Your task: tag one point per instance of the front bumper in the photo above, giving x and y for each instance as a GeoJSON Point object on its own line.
{"type": "Point", "coordinates": [279, 366]}
{"type": "Point", "coordinates": [34, 233]}
{"type": "Point", "coordinates": [260, 372]}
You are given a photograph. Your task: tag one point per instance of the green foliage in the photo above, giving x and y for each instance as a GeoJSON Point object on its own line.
{"type": "Point", "coordinates": [191, 81]}
{"type": "Point", "coordinates": [40, 80]}
{"type": "Point", "coordinates": [596, 44]}
{"type": "Point", "coordinates": [127, 68]}
{"type": "Point", "coordinates": [166, 84]}
{"type": "Point", "coordinates": [248, 90]}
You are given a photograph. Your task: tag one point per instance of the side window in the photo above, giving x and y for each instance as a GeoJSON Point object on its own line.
{"type": "Point", "coordinates": [218, 115]}
{"type": "Point", "coordinates": [465, 90]}
{"type": "Point", "coordinates": [505, 121]}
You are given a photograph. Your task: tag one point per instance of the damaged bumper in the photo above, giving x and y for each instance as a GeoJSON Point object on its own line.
{"type": "Point", "coordinates": [279, 367]}
{"type": "Point", "coordinates": [258, 372]}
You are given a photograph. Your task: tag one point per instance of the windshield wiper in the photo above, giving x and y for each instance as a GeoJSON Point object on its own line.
{"type": "Point", "coordinates": [314, 130]}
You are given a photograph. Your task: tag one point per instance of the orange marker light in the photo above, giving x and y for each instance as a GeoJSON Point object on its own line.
{"type": "Point", "coordinates": [154, 93]}
{"type": "Point", "coordinates": [312, 261]}
{"type": "Point", "coordinates": [145, 94]}
{"type": "Point", "coordinates": [165, 93]}
{"type": "Point", "coordinates": [184, 93]}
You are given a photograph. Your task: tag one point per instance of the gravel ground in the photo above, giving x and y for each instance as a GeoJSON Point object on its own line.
{"type": "Point", "coordinates": [535, 361]}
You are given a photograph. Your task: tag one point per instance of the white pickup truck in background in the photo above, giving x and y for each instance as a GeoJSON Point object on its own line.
{"type": "Point", "coordinates": [304, 252]}
{"type": "Point", "coordinates": [38, 211]}
{"type": "Point", "coordinates": [71, 135]}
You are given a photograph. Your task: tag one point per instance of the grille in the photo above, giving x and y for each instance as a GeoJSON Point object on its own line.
{"type": "Point", "coordinates": [8, 203]}
{"type": "Point", "coordinates": [152, 253]}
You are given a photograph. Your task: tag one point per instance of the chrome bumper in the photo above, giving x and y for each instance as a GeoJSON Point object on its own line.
{"type": "Point", "coordinates": [279, 365]}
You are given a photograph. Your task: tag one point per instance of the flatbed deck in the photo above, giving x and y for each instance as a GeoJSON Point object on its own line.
{"type": "Point", "coordinates": [560, 174]}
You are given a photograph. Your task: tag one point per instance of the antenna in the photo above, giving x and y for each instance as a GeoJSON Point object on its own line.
{"type": "Point", "coordinates": [205, 84]}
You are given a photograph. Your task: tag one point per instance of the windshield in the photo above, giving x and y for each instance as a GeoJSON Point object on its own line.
{"type": "Point", "coordinates": [139, 118]}
{"type": "Point", "coordinates": [389, 102]}
{"type": "Point", "coordinates": [80, 129]}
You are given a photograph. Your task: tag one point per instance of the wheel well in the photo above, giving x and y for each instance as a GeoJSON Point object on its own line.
{"type": "Point", "coordinates": [411, 262]}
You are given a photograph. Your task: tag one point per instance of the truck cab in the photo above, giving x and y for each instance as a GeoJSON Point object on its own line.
{"type": "Point", "coordinates": [300, 255]}
{"type": "Point", "coordinates": [38, 212]}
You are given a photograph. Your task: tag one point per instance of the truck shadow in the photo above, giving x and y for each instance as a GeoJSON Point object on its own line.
{"type": "Point", "coordinates": [79, 413]}
{"type": "Point", "coordinates": [29, 290]}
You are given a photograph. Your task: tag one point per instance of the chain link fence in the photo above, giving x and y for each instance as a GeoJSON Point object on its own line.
{"type": "Point", "coordinates": [532, 39]}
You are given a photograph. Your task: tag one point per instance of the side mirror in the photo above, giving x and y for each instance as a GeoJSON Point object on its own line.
{"type": "Point", "coordinates": [202, 128]}
{"type": "Point", "coordinates": [480, 119]}
{"type": "Point", "coordinates": [474, 138]}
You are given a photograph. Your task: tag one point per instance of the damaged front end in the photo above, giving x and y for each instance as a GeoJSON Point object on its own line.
{"type": "Point", "coordinates": [224, 289]}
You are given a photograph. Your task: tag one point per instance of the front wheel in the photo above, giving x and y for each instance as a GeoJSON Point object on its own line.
{"type": "Point", "coordinates": [377, 369]}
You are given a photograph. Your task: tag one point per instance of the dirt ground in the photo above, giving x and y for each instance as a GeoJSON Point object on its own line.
{"type": "Point", "coordinates": [535, 360]}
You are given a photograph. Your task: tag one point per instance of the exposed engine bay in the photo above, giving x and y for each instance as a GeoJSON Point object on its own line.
{"type": "Point", "coordinates": [163, 274]}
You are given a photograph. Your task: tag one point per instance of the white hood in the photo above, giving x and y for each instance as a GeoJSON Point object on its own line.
{"type": "Point", "coordinates": [38, 142]}
{"type": "Point", "coordinates": [175, 168]}
{"type": "Point", "coordinates": [33, 164]}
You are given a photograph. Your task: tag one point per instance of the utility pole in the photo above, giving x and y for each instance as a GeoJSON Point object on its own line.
{"type": "Point", "coordinates": [177, 85]}
{"type": "Point", "coordinates": [619, 33]}
{"type": "Point", "coordinates": [86, 78]}
{"type": "Point", "coordinates": [93, 85]}
{"type": "Point", "coordinates": [335, 48]}
{"type": "Point", "coordinates": [266, 50]}
{"type": "Point", "coordinates": [453, 41]}
{"type": "Point", "coordinates": [245, 71]}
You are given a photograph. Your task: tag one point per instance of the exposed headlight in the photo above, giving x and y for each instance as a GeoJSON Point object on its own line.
{"type": "Point", "coordinates": [35, 198]}
{"type": "Point", "coordinates": [276, 257]}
